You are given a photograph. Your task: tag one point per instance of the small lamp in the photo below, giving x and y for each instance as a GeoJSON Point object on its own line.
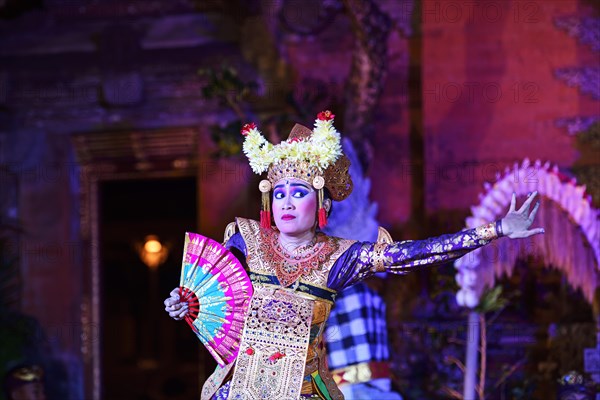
{"type": "Point", "coordinates": [152, 253]}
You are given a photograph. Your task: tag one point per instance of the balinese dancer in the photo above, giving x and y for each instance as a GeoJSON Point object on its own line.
{"type": "Point", "coordinates": [297, 270]}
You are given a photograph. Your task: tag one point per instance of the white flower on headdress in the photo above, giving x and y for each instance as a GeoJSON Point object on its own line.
{"type": "Point", "coordinates": [256, 148]}
{"type": "Point", "coordinates": [321, 149]}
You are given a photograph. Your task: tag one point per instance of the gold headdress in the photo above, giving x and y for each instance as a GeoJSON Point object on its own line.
{"type": "Point", "coordinates": [313, 156]}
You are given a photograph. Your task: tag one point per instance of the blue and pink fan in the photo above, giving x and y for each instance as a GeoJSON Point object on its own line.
{"type": "Point", "coordinates": [218, 291]}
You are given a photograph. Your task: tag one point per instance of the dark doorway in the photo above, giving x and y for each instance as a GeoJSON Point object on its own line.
{"type": "Point", "coordinates": [145, 354]}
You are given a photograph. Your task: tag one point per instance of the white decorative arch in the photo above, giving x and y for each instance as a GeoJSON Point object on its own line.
{"type": "Point", "coordinates": [571, 242]}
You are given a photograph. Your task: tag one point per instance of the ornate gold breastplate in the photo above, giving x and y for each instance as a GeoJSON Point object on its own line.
{"type": "Point", "coordinates": [309, 264]}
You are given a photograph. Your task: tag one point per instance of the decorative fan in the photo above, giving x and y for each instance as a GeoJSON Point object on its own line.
{"type": "Point", "coordinates": [218, 292]}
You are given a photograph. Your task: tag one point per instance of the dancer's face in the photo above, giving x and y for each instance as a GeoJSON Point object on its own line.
{"type": "Point", "coordinates": [294, 206]}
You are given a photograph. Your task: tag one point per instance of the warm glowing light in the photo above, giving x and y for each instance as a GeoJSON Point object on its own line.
{"type": "Point", "coordinates": [152, 246]}
{"type": "Point", "coordinates": [152, 253]}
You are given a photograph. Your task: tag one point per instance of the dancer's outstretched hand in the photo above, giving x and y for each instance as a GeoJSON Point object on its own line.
{"type": "Point", "coordinates": [176, 308]}
{"type": "Point", "coordinates": [516, 223]}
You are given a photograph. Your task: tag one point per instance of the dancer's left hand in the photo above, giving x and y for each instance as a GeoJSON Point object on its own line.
{"type": "Point", "coordinates": [516, 223]}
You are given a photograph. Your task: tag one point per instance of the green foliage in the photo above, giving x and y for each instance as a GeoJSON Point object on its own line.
{"type": "Point", "coordinates": [227, 138]}
{"type": "Point", "coordinates": [491, 301]}
{"type": "Point", "coordinates": [225, 85]}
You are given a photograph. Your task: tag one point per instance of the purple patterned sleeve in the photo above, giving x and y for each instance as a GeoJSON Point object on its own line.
{"type": "Point", "coordinates": [237, 246]}
{"type": "Point", "coordinates": [365, 259]}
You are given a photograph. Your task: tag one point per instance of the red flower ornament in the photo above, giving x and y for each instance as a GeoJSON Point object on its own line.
{"type": "Point", "coordinates": [276, 356]}
{"type": "Point", "coordinates": [325, 116]}
{"type": "Point", "coordinates": [247, 128]}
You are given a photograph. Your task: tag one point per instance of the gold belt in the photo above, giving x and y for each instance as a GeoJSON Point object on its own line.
{"type": "Point", "coordinates": [362, 372]}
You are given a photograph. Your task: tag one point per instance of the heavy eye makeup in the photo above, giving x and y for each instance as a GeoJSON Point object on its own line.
{"type": "Point", "coordinates": [297, 192]}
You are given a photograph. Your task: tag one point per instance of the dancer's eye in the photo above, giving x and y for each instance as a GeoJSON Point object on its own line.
{"type": "Point", "coordinates": [299, 193]}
